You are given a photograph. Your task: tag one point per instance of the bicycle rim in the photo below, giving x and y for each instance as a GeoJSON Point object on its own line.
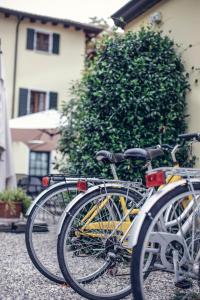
{"type": "Point", "coordinates": [41, 230]}
{"type": "Point", "coordinates": [92, 259]}
{"type": "Point", "coordinates": [175, 242]}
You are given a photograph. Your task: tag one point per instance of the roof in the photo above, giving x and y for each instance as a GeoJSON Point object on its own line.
{"type": "Point", "coordinates": [131, 11]}
{"type": "Point", "coordinates": [90, 30]}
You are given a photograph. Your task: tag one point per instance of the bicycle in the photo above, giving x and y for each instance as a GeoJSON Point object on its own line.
{"type": "Point", "coordinates": [44, 214]}
{"type": "Point", "coordinates": [85, 234]}
{"type": "Point", "coordinates": [168, 229]}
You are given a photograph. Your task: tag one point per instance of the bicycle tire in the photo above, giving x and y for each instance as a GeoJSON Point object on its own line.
{"type": "Point", "coordinates": [31, 248]}
{"type": "Point", "coordinates": [77, 283]}
{"type": "Point", "coordinates": [139, 289]}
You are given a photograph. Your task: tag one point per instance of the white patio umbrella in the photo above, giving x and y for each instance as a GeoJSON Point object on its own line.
{"type": "Point", "coordinates": [7, 175]}
{"type": "Point", "coordinates": [39, 131]}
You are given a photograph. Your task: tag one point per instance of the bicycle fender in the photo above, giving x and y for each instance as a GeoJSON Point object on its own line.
{"type": "Point", "coordinates": [138, 221]}
{"type": "Point", "coordinates": [77, 199]}
{"type": "Point", "coordinates": [51, 187]}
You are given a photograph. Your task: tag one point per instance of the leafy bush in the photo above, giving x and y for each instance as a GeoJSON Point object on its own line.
{"type": "Point", "coordinates": [132, 94]}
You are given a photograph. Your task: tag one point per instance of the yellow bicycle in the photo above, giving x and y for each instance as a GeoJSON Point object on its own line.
{"type": "Point", "coordinates": [93, 251]}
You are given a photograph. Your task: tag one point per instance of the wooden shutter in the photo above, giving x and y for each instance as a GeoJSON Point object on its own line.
{"type": "Point", "coordinates": [30, 39]}
{"type": "Point", "coordinates": [53, 100]}
{"type": "Point", "coordinates": [56, 43]}
{"type": "Point", "coordinates": [23, 99]}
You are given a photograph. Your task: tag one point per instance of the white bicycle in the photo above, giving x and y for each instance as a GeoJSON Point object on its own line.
{"type": "Point", "coordinates": [168, 230]}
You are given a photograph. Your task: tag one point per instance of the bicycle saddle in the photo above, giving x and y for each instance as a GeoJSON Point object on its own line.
{"type": "Point", "coordinates": [143, 154]}
{"type": "Point", "coordinates": [108, 157]}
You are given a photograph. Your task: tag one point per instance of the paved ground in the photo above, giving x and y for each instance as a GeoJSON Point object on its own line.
{"type": "Point", "coordinates": [19, 280]}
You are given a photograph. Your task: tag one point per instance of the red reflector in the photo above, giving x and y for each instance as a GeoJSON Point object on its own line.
{"type": "Point", "coordinates": [45, 181]}
{"type": "Point", "coordinates": [81, 186]}
{"type": "Point", "coordinates": [155, 179]}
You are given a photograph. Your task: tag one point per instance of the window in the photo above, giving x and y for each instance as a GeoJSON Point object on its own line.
{"type": "Point", "coordinates": [37, 101]}
{"type": "Point", "coordinates": [38, 163]}
{"type": "Point", "coordinates": [32, 101]}
{"type": "Point", "coordinates": [43, 41]}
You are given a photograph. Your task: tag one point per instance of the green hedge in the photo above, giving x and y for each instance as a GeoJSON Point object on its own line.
{"type": "Point", "coordinates": [132, 94]}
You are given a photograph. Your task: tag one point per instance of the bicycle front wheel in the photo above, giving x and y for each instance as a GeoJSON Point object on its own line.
{"type": "Point", "coordinates": [93, 252]}
{"type": "Point", "coordinates": [171, 233]}
{"type": "Point", "coordinates": [41, 229]}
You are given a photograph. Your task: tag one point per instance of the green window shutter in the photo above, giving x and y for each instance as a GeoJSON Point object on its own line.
{"type": "Point", "coordinates": [53, 100]}
{"type": "Point", "coordinates": [56, 43]}
{"type": "Point", "coordinates": [30, 39]}
{"type": "Point", "coordinates": [23, 99]}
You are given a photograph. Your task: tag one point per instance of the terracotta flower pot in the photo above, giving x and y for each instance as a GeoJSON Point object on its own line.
{"type": "Point", "coordinates": [10, 210]}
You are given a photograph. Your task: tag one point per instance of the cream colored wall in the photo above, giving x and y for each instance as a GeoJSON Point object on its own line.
{"type": "Point", "coordinates": [7, 45]}
{"type": "Point", "coordinates": [39, 71]}
{"type": "Point", "coordinates": [50, 72]}
{"type": "Point", "coordinates": [181, 21]}
{"type": "Point", "coordinates": [21, 158]}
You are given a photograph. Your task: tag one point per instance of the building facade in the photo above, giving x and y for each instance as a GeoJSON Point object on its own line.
{"type": "Point", "coordinates": [179, 19]}
{"type": "Point", "coordinates": [42, 56]}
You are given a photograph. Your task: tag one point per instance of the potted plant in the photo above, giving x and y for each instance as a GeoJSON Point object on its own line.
{"type": "Point", "coordinates": [13, 203]}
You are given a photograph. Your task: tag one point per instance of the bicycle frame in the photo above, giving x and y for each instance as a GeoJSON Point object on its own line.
{"type": "Point", "coordinates": [92, 213]}
{"type": "Point", "coordinates": [124, 225]}
{"type": "Point", "coordinates": [181, 172]}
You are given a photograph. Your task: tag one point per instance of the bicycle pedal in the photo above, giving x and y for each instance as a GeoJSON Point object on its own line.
{"type": "Point", "coordinates": [183, 284]}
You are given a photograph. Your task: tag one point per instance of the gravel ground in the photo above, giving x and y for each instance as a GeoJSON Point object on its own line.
{"type": "Point", "coordinates": [20, 280]}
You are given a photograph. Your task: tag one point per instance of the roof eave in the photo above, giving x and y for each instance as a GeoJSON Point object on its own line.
{"type": "Point", "coordinates": [87, 28]}
{"type": "Point", "coordinates": [131, 11]}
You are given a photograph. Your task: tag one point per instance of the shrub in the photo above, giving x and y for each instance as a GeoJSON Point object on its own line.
{"type": "Point", "coordinates": [132, 94]}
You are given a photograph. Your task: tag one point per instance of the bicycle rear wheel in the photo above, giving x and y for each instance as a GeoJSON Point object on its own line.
{"type": "Point", "coordinates": [170, 232]}
{"type": "Point", "coordinates": [92, 257]}
{"type": "Point", "coordinates": [41, 229]}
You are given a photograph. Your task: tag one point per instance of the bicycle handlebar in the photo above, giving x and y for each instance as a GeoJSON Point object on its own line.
{"type": "Point", "coordinates": [190, 136]}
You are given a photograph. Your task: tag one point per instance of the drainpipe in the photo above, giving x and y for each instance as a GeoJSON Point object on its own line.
{"type": "Point", "coordinates": [15, 64]}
